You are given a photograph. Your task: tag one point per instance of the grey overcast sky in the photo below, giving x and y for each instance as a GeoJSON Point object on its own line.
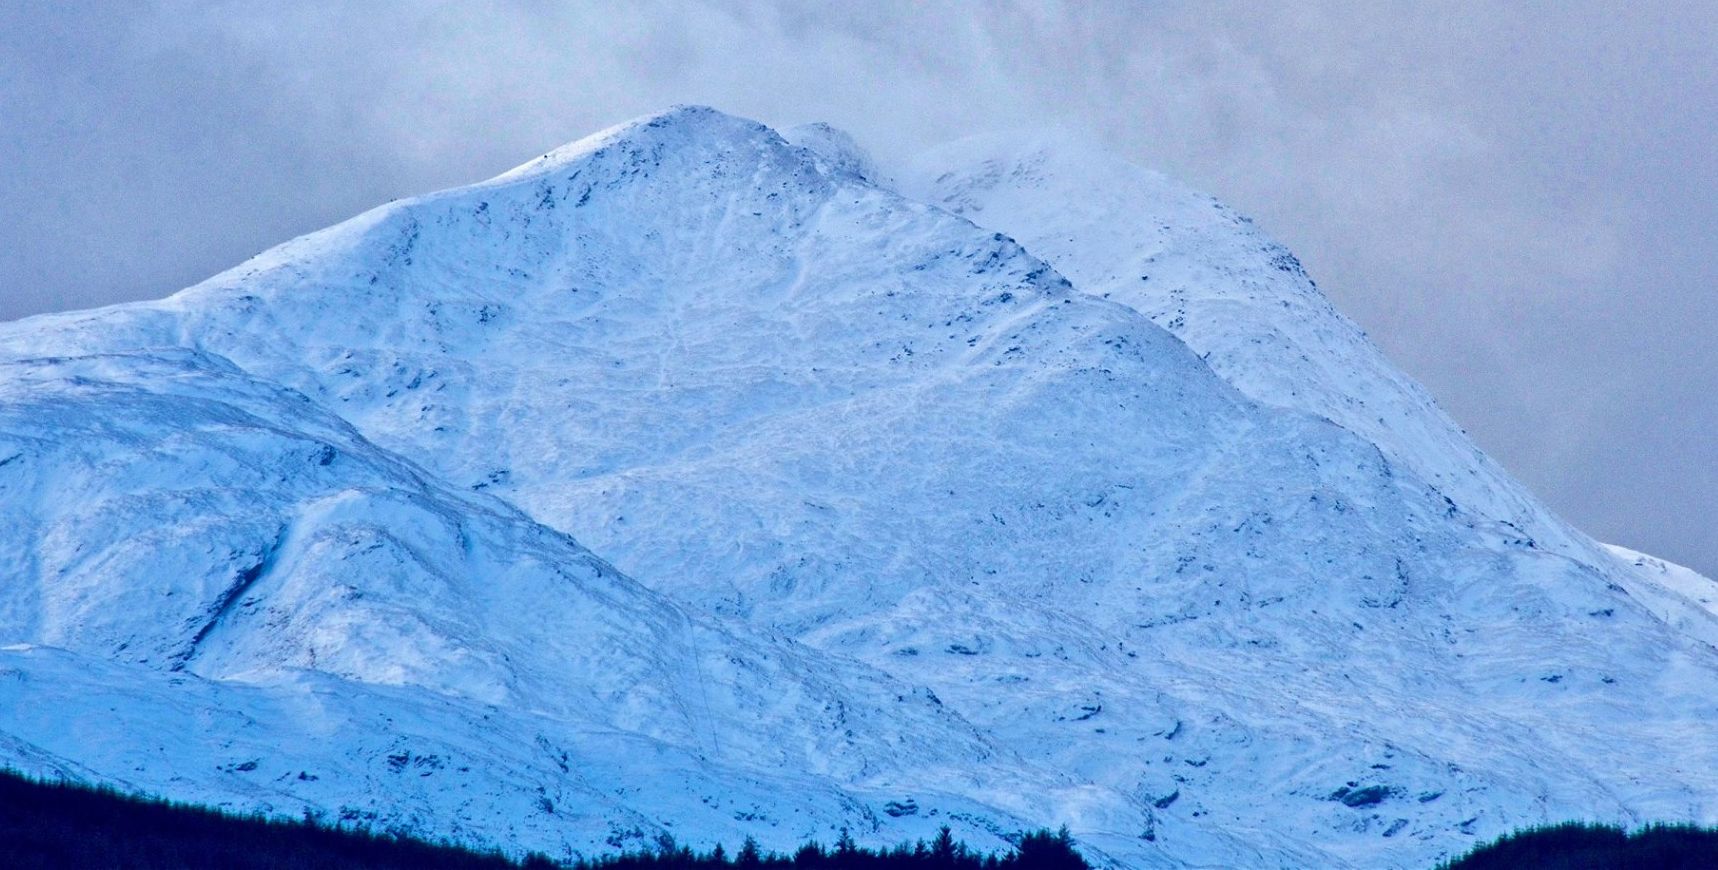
{"type": "Point", "coordinates": [1517, 199]}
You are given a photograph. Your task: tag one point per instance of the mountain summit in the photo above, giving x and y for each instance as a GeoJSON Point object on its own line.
{"type": "Point", "coordinates": [1031, 488]}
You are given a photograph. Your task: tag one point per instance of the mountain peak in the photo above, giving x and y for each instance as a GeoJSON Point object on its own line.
{"type": "Point", "coordinates": [676, 126]}
{"type": "Point", "coordinates": [837, 148]}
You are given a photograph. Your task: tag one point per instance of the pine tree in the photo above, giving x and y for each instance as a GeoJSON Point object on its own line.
{"type": "Point", "coordinates": [944, 847]}
{"type": "Point", "coordinates": [1043, 850]}
{"type": "Point", "coordinates": [844, 846]}
{"type": "Point", "coordinates": [749, 855]}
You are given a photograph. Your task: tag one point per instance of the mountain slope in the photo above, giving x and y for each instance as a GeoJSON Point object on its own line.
{"type": "Point", "coordinates": [240, 588]}
{"type": "Point", "coordinates": [1241, 301]}
{"type": "Point", "coordinates": [1199, 608]}
{"type": "Point", "coordinates": [1245, 305]}
{"type": "Point", "coordinates": [1209, 276]}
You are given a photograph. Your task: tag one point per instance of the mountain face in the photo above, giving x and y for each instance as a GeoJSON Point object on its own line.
{"type": "Point", "coordinates": [1029, 488]}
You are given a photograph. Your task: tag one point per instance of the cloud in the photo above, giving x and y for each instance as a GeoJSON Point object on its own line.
{"type": "Point", "coordinates": [1514, 198]}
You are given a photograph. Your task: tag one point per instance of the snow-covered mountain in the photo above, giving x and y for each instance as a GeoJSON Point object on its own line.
{"type": "Point", "coordinates": [1029, 489]}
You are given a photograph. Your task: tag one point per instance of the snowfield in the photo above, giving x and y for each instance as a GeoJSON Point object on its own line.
{"type": "Point", "coordinates": [1015, 487]}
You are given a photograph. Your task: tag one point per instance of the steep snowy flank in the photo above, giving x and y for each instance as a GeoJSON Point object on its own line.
{"type": "Point", "coordinates": [1678, 587]}
{"type": "Point", "coordinates": [271, 589]}
{"type": "Point", "coordinates": [1208, 275]}
{"type": "Point", "coordinates": [1243, 303]}
{"type": "Point", "coordinates": [1233, 596]}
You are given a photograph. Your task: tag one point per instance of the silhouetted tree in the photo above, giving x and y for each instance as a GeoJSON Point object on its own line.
{"type": "Point", "coordinates": [1043, 850]}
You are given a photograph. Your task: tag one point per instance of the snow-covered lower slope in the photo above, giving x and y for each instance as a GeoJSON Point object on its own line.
{"type": "Point", "coordinates": [305, 743]}
{"type": "Point", "coordinates": [239, 589]}
{"type": "Point", "coordinates": [1188, 600]}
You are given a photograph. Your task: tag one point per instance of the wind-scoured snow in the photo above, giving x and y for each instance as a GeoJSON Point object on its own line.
{"type": "Point", "coordinates": [1141, 536]}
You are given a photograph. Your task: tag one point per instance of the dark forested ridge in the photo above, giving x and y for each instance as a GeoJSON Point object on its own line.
{"type": "Point", "coordinates": [61, 825]}
{"type": "Point", "coordinates": [1576, 846]}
